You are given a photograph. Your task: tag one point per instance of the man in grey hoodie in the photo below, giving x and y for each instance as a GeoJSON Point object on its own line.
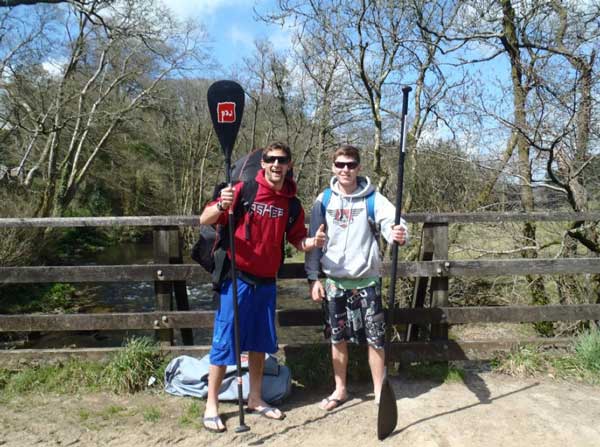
{"type": "Point", "coordinates": [351, 209]}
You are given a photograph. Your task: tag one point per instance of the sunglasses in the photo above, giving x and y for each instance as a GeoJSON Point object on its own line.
{"type": "Point", "coordinates": [345, 164]}
{"type": "Point", "coordinates": [282, 160]}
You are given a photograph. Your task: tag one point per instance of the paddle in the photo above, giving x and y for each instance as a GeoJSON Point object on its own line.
{"type": "Point", "coordinates": [387, 417]}
{"type": "Point", "coordinates": [226, 106]}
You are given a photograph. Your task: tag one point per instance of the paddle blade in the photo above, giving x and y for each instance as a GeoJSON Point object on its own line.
{"type": "Point", "coordinates": [226, 106]}
{"type": "Point", "coordinates": [387, 417]}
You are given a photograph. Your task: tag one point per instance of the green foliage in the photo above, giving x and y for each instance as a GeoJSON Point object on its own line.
{"type": "Point", "coordinates": [112, 411]}
{"type": "Point", "coordinates": [46, 298]}
{"type": "Point", "coordinates": [69, 377]}
{"type": "Point", "coordinates": [587, 350]}
{"type": "Point", "coordinates": [78, 240]}
{"type": "Point", "coordinates": [581, 362]}
{"type": "Point", "coordinates": [129, 369]}
{"type": "Point", "coordinates": [436, 371]}
{"type": "Point", "coordinates": [60, 298]}
{"type": "Point", "coordinates": [152, 414]}
{"type": "Point", "coordinates": [526, 361]}
{"type": "Point", "coordinates": [192, 414]}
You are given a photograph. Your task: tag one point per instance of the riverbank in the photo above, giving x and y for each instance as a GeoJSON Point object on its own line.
{"type": "Point", "coordinates": [484, 409]}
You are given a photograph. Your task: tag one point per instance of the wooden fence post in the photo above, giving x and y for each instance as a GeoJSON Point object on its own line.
{"type": "Point", "coordinates": [421, 282]}
{"type": "Point", "coordinates": [163, 290]}
{"type": "Point", "coordinates": [439, 284]}
{"type": "Point", "coordinates": [179, 287]}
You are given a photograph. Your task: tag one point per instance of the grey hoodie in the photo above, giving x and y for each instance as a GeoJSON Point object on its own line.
{"type": "Point", "coordinates": [351, 250]}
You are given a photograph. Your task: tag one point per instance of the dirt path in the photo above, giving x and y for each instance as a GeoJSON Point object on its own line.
{"type": "Point", "coordinates": [487, 410]}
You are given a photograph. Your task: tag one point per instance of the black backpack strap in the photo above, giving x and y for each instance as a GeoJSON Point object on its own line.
{"type": "Point", "coordinates": [244, 204]}
{"type": "Point", "coordinates": [293, 213]}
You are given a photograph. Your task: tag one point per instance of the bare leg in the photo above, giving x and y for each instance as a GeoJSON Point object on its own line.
{"type": "Point", "coordinates": [339, 357]}
{"type": "Point", "coordinates": [256, 364]}
{"type": "Point", "coordinates": [215, 378]}
{"type": "Point", "coordinates": [377, 365]}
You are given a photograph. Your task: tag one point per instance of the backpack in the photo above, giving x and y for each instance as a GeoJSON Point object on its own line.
{"type": "Point", "coordinates": [210, 250]}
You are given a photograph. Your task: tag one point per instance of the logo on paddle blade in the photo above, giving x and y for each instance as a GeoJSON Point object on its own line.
{"type": "Point", "coordinates": [226, 112]}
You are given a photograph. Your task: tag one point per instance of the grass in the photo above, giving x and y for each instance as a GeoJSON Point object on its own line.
{"type": "Point", "coordinates": [127, 371]}
{"type": "Point", "coordinates": [587, 350]}
{"type": "Point", "coordinates": [581, 362]}
{"type": "Point", "coordinates": [130, 369]}
{"type": "Point", "coordinates": [192, 414]}
{"type": "Point", "coordinates": [435, 371]}
{"type": "Point", "coordinates": [152, 414]}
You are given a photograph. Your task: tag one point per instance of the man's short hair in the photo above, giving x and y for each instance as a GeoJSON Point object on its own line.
{"type": "Point", "coordinates": [276, 145]}
{"type": "Point", "coordinates": [348, 151]}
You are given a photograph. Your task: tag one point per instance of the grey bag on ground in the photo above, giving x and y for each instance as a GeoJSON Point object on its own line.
{"type": "Point", "coordinates": [188, 376]}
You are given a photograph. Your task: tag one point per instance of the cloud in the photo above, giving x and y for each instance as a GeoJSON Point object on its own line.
{"type": "Point", "coordinates": [240, 36]}
{"type": "Point", "coordinates": [54, 67]}
{"type": "Point", "coordinates": [281, 38]}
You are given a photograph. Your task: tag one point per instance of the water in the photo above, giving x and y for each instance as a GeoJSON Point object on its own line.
{"type": "Point", "coordinates": [139, 297]}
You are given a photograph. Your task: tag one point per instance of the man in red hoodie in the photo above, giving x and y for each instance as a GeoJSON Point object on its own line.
{"type": "Point", "coordinates": [258, 239]}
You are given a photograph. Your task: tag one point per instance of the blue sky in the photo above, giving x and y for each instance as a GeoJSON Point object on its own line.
{"type": "Point", "coordinates": [232, 25]}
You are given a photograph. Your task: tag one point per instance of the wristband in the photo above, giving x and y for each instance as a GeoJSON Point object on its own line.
{"type": "Point", "coordinates": [220, 207]}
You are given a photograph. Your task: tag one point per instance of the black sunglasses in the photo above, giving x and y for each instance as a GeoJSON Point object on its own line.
{"type": "Point", "coordinates": [283, 160]}
{"type": "Point", "coordinates": [344, 164]}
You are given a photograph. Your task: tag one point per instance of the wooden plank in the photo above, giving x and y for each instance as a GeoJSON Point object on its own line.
{"type": "Point", "coordinates": [450, 350]}
{"type": "Point", "coordinates": [443, 351]}
{"type": "Point", "coordinates": [521, 314]}
{"type": "Point", "coordinates": [106, 321]}
{"type": "Point", "coordinates": [517, 267]}
{"type": "Point", "coordinates": [304, 317]}
{"type": "Point", "coordinates": [18, 358]}
{"type": "Point", "coordinates": [405, 352]}
{"type": "Point", "coordinates": [152, 221]}
{"type": "Point", "coordinates": [103, 273]}
{"type": "Point", "coordinates": [462, 315]}
{"type": "Point", "coordinates": [485, 217]}
{"type": "Point", "coordinates": [193, 272]}
{"type": "Point", "coordinates": [109, 221]}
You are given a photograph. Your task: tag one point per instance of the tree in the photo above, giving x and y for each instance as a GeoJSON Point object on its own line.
{"type": "Point", "coordinates": [109, 69]}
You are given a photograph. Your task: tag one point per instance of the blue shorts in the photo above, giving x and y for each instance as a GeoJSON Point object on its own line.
{"type": "Point", "coordinates": [256, 309]}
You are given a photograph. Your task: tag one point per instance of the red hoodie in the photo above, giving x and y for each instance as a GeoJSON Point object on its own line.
{"type": "Point", "coordinates": [261, 254]}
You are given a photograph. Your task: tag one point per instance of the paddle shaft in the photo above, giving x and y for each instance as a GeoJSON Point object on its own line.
{"type": "Point", "coordinates": [236, 320]}
{"type": "Point", "coordinates": [398, 217]}
{"type": "Point", "coordinates": [387, 416]}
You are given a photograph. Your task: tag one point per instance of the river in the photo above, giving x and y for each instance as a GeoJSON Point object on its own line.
{"type": "Point", "coordinates": [139, 297]}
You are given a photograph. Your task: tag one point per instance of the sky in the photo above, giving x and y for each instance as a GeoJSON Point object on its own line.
{"type": "Point", "coordinates": [232, 25]}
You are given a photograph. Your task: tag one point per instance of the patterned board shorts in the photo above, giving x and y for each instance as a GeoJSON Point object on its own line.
{"type": "Point", "coordinates": [355, 315]}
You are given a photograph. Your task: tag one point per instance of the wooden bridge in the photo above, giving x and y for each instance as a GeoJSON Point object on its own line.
{"type": "Point", "coordinates": [431, 272]}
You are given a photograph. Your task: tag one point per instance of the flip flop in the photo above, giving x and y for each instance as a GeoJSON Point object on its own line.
{"type": "Point", "coordinates": [264, 412]}
{"type": "Point", "coordinates": [215, 420]}
{"type": "Point", "coordinates": [325, 403]}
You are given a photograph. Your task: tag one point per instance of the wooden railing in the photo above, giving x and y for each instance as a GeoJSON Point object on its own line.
{"type": "Point", "coordinates": [432, 271]}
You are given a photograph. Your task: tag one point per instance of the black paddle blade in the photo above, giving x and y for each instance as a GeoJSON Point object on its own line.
{"type": "Point", "coordinates": [226, 106]}
{"type": "Point", "coordinates": [387, 417]}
